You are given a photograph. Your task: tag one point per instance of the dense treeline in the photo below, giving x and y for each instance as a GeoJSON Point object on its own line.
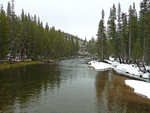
{"type": "Point", "coordinates": [127, 36]}
{"type": "Point", "coordinates": [25, 37]}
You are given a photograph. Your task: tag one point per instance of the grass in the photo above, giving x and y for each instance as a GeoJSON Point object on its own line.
{"type": "Point", "coordinates": [8, 65]}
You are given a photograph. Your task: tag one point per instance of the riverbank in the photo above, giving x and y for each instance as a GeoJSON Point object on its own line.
{"type": "Point", "coordinates": [141, 87]}
{"type": "Point", "coordinates": [7, 65]}
{"type": "Point", "coordinates": [130, 70]}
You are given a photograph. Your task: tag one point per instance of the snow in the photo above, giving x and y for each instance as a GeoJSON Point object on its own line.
{"type": "Point", "coordinates": [130, 70]}
{"type": "Point", "coordinates": [100, 65]}
{"type": "Point", "coordinates": [139, 87]}
{"type": "Point", "coordinates": [113, 63]}
{"type": "Point", "coordinates": [146, 75]}
{"type": "Point", "coordinates": [111, 59]}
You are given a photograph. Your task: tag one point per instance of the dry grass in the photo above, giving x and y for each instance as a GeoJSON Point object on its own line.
{"type": "Point", "coordinates": [17, 64]}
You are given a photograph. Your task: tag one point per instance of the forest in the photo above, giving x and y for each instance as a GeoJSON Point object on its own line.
{"type": "Point", "coordinates": [25, 37]}
{"type": "Point", "coordinates": [126, 36]}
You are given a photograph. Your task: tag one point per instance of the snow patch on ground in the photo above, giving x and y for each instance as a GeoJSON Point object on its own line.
{"type": "Point", "coordinates": [100, 65]}
{"type": "Point", "coordinates": [139, 87]}
{"type": "Point", "coordinates": [113, 63]}
{"type": "Point", "coordinates": [130, 70]}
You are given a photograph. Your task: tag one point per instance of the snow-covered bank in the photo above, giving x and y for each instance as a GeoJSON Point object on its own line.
{"type": "Point", "coordinates": [139, 87]}
{"type": "Point", "coordinates": [100, 65]}
{"type": "Point", "coordinates": [130, 70]}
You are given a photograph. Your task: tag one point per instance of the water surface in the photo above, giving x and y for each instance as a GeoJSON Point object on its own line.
{"type": "Point", "coordinates": [70, 86]}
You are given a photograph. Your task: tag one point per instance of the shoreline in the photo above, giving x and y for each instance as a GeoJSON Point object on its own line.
{"type": "Point", "coordinates": [8, 65]}
{"type": "Point", "coordinates": [128, 70]}
{"type": "Point", "coordinates": [15, 64]}
{"type": "Point", "coordinates": [140, 85]}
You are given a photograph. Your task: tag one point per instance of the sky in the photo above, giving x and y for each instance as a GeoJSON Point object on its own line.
{"type": "Point", "coordinates": [76, 17]}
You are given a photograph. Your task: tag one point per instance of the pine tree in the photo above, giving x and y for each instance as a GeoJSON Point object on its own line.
{"type": "Point", "coordinates": [29, 39]}
{"type": "Point", "coordinates": [92, 46]}
{"type": "Point", "coordinates": [124, 36]}
{"type": "Point", "coordinates": [77, 45]}
{"type": "Point", "coordinates": [119, 37]}
{"type": "Point", "coordinates": [147, 38]}
{"type": "Point", "coordinates": [130, 31]}
{"type": "Point", "coordinates": [4, 34]}
{"type": "Point", "coordinates": [112, 33]}
{"type": "Point", "coordinates": [142, 25]}
{"type": "Point", "coordinates": [119, 27]}
{"type": "Point", "coordinates": [13, 33]}
{"type": "Point", "coordinates": [101, 37]}
{"type": "Point", "coordinates": [137, 51]}
{"type": "Point", "coordinates": [133, 28]}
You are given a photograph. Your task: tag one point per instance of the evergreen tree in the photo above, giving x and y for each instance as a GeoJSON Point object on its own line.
{"type": "Point", "coordinates": [77, 45]}
{"type": "Point", "coordinates": [119, 37]}
{"type": "Point", "coordinates": [112, 34]}
{"type": "Point", "coordinates": [4, 34]}
{"type": "Point", "coordinates": [124, 37]}
{"type": "Point", "coordinates": [119, 27]}
{"type": "Point", "coordinates": [13, 33]}
{"type": "Point", "coordinates": [147, 38]}
{"type": "Point", "coordinates": [29, 39]}
{"type": "Point", "coordinates": [142, 24]}
{"type": "Point", "coordinates": [133, 28]}
{"type": "Point", "coordinates": [92, 46]}
{"type": "Point", "coordinates": [101, 37]}
{"type": "Point", "coordinates": [137, 51]}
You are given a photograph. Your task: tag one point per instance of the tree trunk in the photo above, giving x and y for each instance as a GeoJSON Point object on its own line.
{"type": "Point", "coordinates": [130, 43]}
{"type": "Point", "coordinates": [102, 50]}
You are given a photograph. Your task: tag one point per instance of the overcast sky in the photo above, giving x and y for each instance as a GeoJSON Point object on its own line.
{"type": "Point", "coordinates": [77, 17]}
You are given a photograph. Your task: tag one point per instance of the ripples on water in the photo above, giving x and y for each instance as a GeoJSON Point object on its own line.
{"type": "Point", "coordinates": [67, 87]}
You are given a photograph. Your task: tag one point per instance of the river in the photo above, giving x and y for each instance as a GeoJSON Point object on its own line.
{"type": "Point", "coordinates": [69, 86]}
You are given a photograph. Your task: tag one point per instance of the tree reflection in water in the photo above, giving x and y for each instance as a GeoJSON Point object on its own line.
{"type": "Point", "coordinates": [19, 85]}
{"type": "Point", "coordinates": [113, 96]}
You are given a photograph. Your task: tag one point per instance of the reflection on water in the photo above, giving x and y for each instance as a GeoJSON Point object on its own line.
{"type": "Point", "coordinates": [19, 85]}
{"type": "Point", "coordinates": [113, 96]}
{"type": "Point", "coordinates": [67, 87]}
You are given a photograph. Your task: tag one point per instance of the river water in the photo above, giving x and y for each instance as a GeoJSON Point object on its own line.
{"type": "Point", "coordinates": [69, 86]}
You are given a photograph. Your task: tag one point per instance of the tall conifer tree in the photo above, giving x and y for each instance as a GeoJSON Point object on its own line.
{"type": "Point", "coordinates": [4, 34]}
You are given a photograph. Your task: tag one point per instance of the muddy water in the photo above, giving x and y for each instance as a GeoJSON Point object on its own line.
{"type": "Point", "coordinates": [67, 87]}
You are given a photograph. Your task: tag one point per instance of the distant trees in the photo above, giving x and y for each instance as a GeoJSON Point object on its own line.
{"type": "Point", "coordinates": [128, 35]}
{"type": "Point", "coordinates": [25, 36]}
{"type": "Point", "coordinates": [92, 46]}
